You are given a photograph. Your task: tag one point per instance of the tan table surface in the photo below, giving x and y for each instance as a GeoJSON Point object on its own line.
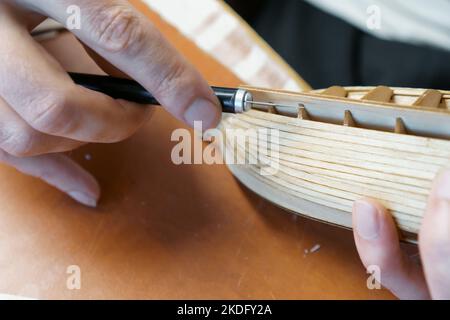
{"type": "Point", "coordinates": [165, 231]}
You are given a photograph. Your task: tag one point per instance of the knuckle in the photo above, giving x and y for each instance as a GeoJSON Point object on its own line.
{"type": "Point", "coordinates": [19, 142]}
{"type": "Point", "coordinates": [52, 115]}
{"type": "Point", "coordinates": [170, 78]}
{"type": "Point", "coordinates": [435, 246]}
{"type": "Point", "coordinates": [434, 238]}
{"type": "Point", "coordinates": [117, 28]}
{"type": "Point", "coordinates": [437, 259]}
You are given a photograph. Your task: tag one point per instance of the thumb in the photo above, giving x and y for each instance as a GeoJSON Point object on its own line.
{"type": "Point", "coordinates": [378, 245]}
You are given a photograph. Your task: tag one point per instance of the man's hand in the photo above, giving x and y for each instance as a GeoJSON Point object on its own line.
{"type": "Point", "coordinates": [378, 244]}
{"type": "Point", "coordinates": [42, 112]}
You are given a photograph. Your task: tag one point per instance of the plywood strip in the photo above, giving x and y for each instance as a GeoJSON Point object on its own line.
{"type": "Point", "coordinates": [404, 222]}
{"type": "Point", "coordinates": [335, 196]}
{"type": "Point", "coordinates": [281, 193]}
{"type": "Point", "coordinates": [332, 134]}
{"type": "Point", "coordinates": [375, 183]}
{"type": "Point", "coordinates": [348, 155]}
{"type": "Point", "coordinates": [321, 162]}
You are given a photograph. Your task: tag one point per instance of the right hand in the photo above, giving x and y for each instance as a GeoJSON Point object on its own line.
{"type": "Point", "coordinates": [377, 241]}
{"type": "Point", "coordinates": [43, 113]}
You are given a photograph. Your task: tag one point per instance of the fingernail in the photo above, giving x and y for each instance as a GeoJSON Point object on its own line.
{"type": "Point", "coordinates": [366, 220]}
{"type": "Point", "coordinates": [83, 198]}
{"type": "Point", "coordinates": [442, 186]}
{"type": "Point", "coordinates": [204, 111]}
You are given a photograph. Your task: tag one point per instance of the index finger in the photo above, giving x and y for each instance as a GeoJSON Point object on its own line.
{"type": "Point", "coordinates": [127, 39]}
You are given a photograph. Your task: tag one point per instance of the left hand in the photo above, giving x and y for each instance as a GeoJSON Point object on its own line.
{"type": "Point", "coordinates": [377, 242]}
{"type": "Point", "coordinates": [43, 113]}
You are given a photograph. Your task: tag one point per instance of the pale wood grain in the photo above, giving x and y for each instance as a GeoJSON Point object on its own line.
{"type": "Point", "coordinates": [327, 165]}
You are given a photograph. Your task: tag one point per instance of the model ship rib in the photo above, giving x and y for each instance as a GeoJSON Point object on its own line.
{"type": "Point", "coordinates": [430, 98]}
{"type": "Point", "coordinates": [327, 161]}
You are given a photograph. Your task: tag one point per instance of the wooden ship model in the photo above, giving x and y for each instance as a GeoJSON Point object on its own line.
{"type": "Point", "coordinates": [340, 144]}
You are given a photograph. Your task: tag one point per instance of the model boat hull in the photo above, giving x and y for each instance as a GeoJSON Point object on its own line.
{"type": "Point", "coordinates": [323, 167]}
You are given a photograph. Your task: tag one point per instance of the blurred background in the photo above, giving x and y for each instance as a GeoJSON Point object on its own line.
{"type": "Point", "coordinates": [357, 42]}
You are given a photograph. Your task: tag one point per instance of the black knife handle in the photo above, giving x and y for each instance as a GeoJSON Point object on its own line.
{"type": "Point", "coordinates": [119, 88]}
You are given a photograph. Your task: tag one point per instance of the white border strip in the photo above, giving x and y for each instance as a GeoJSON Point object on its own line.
{"type": "Point", "coordinates": [214, 29]}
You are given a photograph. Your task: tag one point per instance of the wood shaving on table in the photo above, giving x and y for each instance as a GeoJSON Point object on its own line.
{"type": "Point", "coordinates": [313, 249]}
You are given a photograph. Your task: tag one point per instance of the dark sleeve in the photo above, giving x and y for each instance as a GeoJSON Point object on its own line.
{"type": "Point", "coordinates": [326, 50]}
{"type": "Point", "coordinates": [247, 9]}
